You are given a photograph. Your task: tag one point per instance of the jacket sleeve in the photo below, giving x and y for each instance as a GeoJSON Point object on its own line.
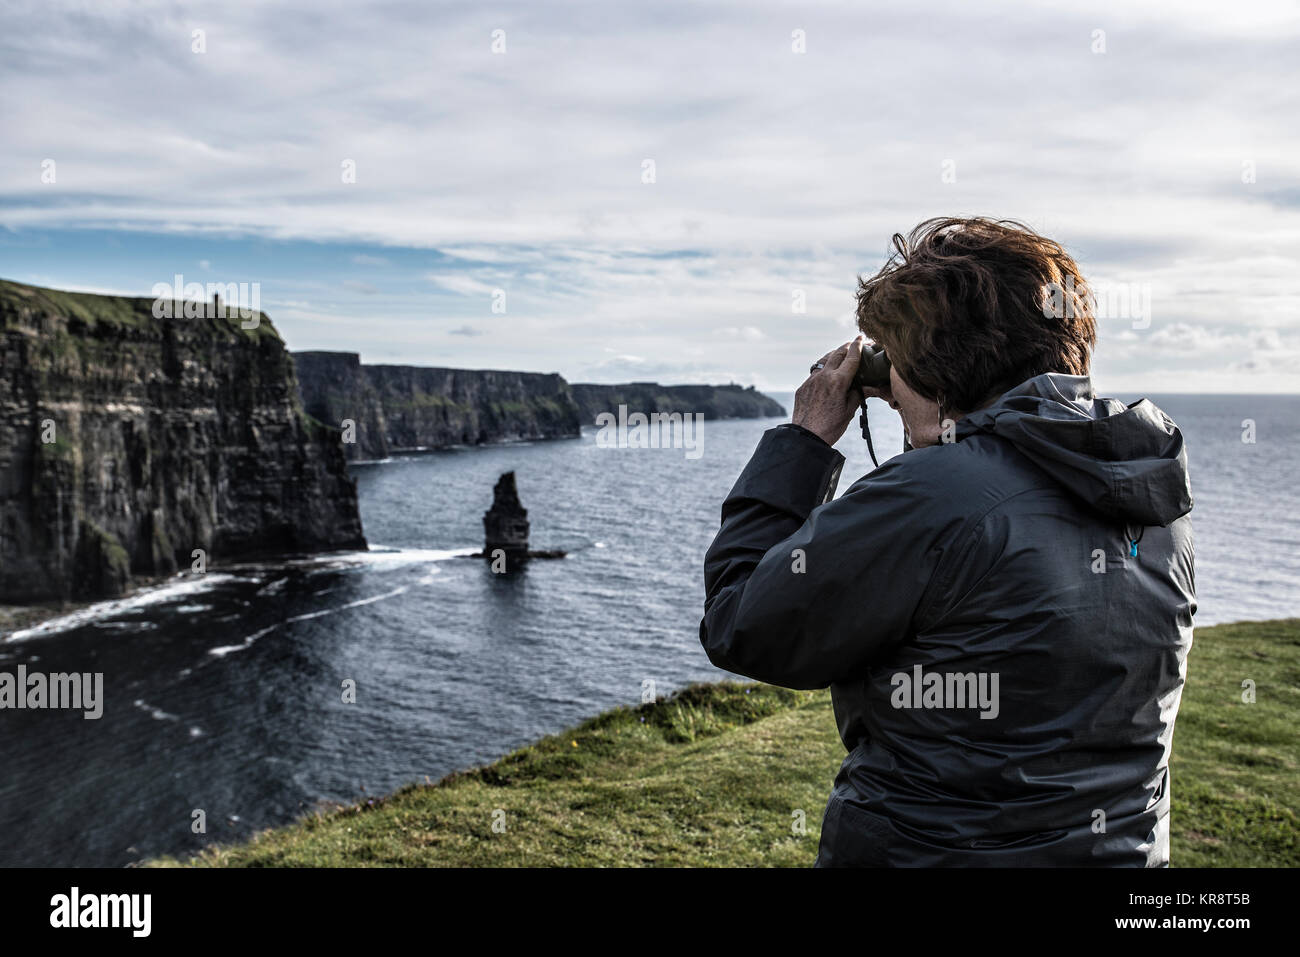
{"type": "Point", "coordinates": [802, 592]}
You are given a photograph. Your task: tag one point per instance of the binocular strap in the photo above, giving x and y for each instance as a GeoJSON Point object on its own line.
{"type": "Point", "coordinates": [866, 433]}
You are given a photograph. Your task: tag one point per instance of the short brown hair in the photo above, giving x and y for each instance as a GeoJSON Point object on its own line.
{"type": "Point", "coordinates": [964, 310]}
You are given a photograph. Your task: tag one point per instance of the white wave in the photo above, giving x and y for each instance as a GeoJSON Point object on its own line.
{"type": "Point", "coordinates": [224, 650]}
{"type": "Point", "coordinates": [158, 714]}
{"type": "Point", "coordinates": [246, 643]}
{"type": "Point", "coordinates": [377, 556]}
{"type": "Point", "coordinates": [382, 553]}
{"type": "Point", "coordinates": [274, 587]}
{"type": "Point", "coordinates": [352, 604]}
{"type": "Point", "coordinates": [169, 591]}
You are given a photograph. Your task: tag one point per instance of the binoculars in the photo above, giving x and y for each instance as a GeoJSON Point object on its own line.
{"type": "Point", "coordinates": [873, 370]}
{"type": "Point", "coordinates": [873, 373]}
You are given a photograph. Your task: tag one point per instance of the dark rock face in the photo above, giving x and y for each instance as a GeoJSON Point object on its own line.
{"type": "Point", "coordinates": [413, 407]}
{"type": "Point", "coordinates": [505, 524]}
{"type": "Point", "coordinates": [714, 401]}
{"type": "Point", "coordinates": [127, 441]}
{"type": "Point", "coordinates": [334, 389]}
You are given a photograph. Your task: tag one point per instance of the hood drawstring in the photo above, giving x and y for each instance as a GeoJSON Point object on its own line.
{"type": "Point", "coordinates": [1133, 542]}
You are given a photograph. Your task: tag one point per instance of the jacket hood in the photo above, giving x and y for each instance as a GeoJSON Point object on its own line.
{"type": "Point", "coordinates": [1127, 462]}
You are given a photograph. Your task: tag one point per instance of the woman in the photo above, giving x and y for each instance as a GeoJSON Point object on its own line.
{"type": "Point", "coordinates": [1003, 613]}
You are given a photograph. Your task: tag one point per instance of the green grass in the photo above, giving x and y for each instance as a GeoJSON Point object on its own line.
{"type": "Point", "coordinates": [90, 309]}
{"type": "Point", "coordinates": [113, 313]}
{"type": "Point", "coordinates": [714, 775]}
{"type": "Point", "coordinates": [1236, 766]}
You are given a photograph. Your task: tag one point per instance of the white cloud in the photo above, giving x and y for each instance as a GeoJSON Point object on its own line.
{"type": "Point", "coordinates": [747, 333]}
{"type": "Point", "coordinates": [774, 170]}
{"type": "Point", "coordinates": [461, 284]}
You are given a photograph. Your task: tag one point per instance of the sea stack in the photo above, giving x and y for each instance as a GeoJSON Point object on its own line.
{"type": "Point", "coordinates": [505, 524]}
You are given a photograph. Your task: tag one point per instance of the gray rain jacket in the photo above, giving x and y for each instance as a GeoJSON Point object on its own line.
{"type": "Point", "coordinates": [1005, 670]}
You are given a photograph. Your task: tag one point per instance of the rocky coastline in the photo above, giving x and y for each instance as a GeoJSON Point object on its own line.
{"type": "Point", "coordinates": [138, 442]}
{"type": "Point", "coordinates": [134, 445]}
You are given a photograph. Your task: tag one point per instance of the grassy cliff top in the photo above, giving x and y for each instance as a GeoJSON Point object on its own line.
{"type": "Point", "coordinates": [98, 311]}
{"type": "Point", "coordinates": [714, 775]}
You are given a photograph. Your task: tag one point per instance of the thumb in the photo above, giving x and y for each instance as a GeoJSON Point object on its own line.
{"type": "Point", "coordinates": [853, 358]}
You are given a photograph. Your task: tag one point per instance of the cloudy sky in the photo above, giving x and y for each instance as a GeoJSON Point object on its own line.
{"type": "Point", "coordinates": [649, 190]}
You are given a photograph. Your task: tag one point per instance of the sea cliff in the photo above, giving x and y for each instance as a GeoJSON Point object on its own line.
{"type": "Point", "coordinates": [414, 407]}
{"type": "Point", "coordinates": [128, 441]}
{"type": "Point", "coordinates": [713, 401]}
{"type": "Point", "coordinates": [386, 408]}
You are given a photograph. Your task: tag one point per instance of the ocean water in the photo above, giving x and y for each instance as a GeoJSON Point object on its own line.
{"type": "Point", "coordinates": [225, 694]}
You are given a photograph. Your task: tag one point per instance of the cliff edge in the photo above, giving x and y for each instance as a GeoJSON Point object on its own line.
{"type": "Point", "coordinates": [417, 407]}
{"type": "Point", "coordinates": [128, 441]}
{"type": "Point", "coordinates": [714, 401]}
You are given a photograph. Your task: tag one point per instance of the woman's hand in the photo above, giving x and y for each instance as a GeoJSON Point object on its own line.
{"type": "Point", "coordinates": [825, 403]}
